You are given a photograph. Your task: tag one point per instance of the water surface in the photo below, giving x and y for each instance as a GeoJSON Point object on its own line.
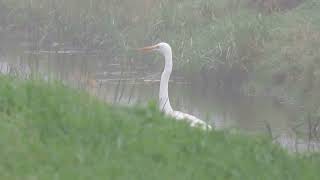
{"type": "Point", "coordinates": [124, 82]}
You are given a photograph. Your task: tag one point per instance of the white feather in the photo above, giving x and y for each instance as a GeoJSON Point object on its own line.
{"type": "Point", "coordinates": [164, 101]}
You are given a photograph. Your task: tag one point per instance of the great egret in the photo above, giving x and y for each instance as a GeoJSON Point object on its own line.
{"type": "Point", "coordinates": [164, 102]}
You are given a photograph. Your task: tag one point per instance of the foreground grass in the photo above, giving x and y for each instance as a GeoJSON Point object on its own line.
{"type": "Point", "coordinates": [48, 131]}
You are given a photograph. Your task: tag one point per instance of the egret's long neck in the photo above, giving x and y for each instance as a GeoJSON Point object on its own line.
{"type": "Point", "coordinates": [163, 93]}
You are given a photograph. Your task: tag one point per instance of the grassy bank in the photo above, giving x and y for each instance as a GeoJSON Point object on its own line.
{"type": "Point", "coordinates": [49, 131]}
{"type": "Point", "coordinates": [262, 48]}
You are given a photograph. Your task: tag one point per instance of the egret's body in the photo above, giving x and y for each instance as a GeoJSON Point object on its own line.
{"type": "Point", "coordinates": [164, 101]}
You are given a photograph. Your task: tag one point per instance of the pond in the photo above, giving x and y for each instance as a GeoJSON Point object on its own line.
{"type": "Point", "coordinates": [120, 82]}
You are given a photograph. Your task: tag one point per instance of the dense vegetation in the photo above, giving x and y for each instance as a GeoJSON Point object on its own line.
{"type": "Point", "coordinates": [49, 131]}
{"type": "Point", "coordinates": [269, 46]}
{"type": "Point", "coordinates": [266, 47]}
{"type": "Point", "coordinates": [258, 47]}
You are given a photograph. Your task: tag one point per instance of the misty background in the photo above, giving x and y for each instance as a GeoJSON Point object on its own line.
{"type": "Point", "coordinates": [253, 65]}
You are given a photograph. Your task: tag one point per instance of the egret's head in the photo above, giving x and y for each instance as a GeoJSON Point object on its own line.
{"type": "Point", "coordinates": [163, 48]}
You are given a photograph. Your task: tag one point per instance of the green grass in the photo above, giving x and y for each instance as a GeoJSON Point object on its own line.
{"type": "Point", "coordinates": [49, 131]}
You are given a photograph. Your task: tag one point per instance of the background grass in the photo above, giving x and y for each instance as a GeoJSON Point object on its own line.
{"type": "Point", "coordinates": [49, 131]}
{"type": "Point", "coordinates": [266, 46]}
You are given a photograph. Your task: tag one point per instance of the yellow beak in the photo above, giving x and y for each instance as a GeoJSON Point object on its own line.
{"type": "Point", "coordinates": [148, 48]}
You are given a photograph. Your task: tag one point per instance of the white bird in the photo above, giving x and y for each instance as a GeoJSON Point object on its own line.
{"type": "Point", "coordinates": [164, 102]}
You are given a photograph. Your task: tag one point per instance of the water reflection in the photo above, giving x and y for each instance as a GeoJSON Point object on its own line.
{"type": "Point", "coordinates": [117, 82]}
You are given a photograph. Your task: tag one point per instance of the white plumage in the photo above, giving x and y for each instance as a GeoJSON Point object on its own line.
{"type": "Point", "coordinates": [164, 101]}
